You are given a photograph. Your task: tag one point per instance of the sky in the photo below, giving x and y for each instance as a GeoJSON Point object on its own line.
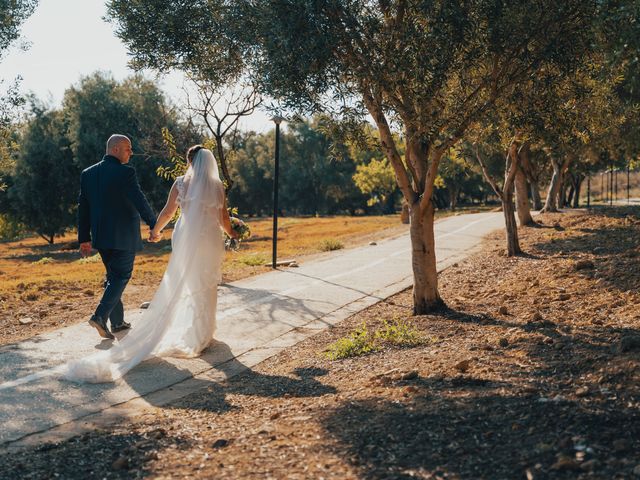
{"type": "Point", "coordinates": [69, 39]}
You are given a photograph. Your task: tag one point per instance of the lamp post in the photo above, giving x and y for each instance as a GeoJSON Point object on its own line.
{"type": "Point", "coordinates": [277, 120]}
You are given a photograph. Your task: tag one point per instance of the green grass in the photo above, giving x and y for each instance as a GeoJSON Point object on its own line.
{"type": "Point", "coordinates": [93, 259]}
{"type": "Point", "coordinates": [253, 259]}
{"type": "Point", "coordinates": [330, 244]}
{"type": "Point", "coordinates": [43, 261]}
{"type": "Point", "coordinates": [357, 343]}
{"type": "Point", "coordinates": [398, 332]}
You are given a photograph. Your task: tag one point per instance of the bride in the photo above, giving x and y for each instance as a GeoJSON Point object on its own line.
{"type": "Point", "coordinates": [181, 319]}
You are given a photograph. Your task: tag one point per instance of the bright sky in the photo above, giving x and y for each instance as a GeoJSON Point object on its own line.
{"type": "Point", "coordinates": [69, 39]}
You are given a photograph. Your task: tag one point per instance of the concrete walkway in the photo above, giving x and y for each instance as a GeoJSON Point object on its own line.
{"type": "Point", "coordinates": [257, 318]}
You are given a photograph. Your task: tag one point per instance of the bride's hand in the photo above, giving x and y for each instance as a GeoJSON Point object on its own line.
{"type": "Point", "coordinates": [154, 236]}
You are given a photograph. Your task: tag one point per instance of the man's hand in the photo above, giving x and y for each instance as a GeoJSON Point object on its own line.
{"type": "Point", "coordinates": [154, 237]}
{"type": "Point", "coordinates": [85, 249]}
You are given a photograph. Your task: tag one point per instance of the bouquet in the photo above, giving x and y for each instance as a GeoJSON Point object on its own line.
{"type": "Point", "coordinates": [243, 231]}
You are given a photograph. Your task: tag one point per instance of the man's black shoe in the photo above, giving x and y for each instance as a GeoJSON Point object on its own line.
{"type": "Point", "coordinates": [100, 325]}
{"type": "Point", "coordinates": [122, 326]}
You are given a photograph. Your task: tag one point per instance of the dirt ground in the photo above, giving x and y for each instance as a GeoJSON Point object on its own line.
{"type": "Point", "coordinates": [533, 372]}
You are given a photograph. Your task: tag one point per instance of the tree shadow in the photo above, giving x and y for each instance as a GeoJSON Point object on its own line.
{"type": "Point", "coordinates": [302, 383]}
{"type": "Point", "coordinates": [453, 431]}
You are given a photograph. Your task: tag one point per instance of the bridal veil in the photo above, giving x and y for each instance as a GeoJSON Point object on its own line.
{"type": "Point", "coordinates": [180, 320]}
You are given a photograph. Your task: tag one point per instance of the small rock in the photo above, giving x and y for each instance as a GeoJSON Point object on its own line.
{"type": "Point", "coordinates": [566, 463]}
{"type": "Point", "coordinates": [503, 310]}
{"type": "Point", "coordinates": [582, 391]}
{"type": "Point", "coordinates": [629, 343]}
{"type": "Point", "coordinates": [503, 342]}
{"type": "Point", "coordinates": [462, 366]}
{"type": "Point", "coordinates": [597, 321]}
{"type": "Point", "coordinates": [372, 243]}
{"type": "Point", "coordinates": [89, 293]}
{"type": "Point", "coordinates": [145, 304]}
{"type": "Point", "coordinates": [589, 465]}
{"type": "Point", "coordinates": [121, 463]}
{"type": "Point", "coordinates": [220, 443]}
{"type": "Point", "coordinates": [158, 434]}
{"type": "Point", "coordinates": [584, 265]}
{"type": "Point", "coordinates": [293, 264]}
{"type": "Point", "coordinates": [409, 389]}
{"type": "Point", "coordinates": [559, 346]}
{"type": "Point", "coordinates": [409, 375]}
{"type": "Point", "coordinates": [564, 296]}
{"type": "Point", "coordinates": [621, 444]}
{"type": "Point", "coordinates": [537, 316]}
{"type": "Point", "coordinates": [275, 416]}
{"type": "Point", "coordinates": [636, 470]}
{"type": "Point", "coordinates": [25, 320]}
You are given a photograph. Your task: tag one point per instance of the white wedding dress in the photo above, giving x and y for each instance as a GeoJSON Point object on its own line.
{"type": "Point", "coordinates": [181, 319]}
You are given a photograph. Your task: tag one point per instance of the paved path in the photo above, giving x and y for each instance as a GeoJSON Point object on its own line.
{"type": "Point", "coordinates": [257, 318]}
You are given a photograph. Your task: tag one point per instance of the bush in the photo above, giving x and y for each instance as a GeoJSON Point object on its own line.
{"type": "Point", "coordinates": [400, 333]}
{"type": "Point", "coordinates": [253, 259]}
{"type": "Point", "coordinates": [330, 244]}
{"type": "Point", "coordinates": [11, 230]}
{"type": "Point", "coordinates": [43, 261]}
{"type": "Point", "coordinates": [359, 342]}
{"type": "Point", "coordinates": [93, 259]}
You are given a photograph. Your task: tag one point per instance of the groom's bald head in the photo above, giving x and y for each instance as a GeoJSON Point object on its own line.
{"type": "Point", "coordinates": [119, 146]}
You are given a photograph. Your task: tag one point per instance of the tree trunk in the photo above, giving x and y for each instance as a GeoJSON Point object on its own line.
{"type": "Point", "coordinates": [453, 198]}
{"type": "Point", "coordinates": [551, 202]}
{"type": "Point", "coordinates": [577, 186]}
{"type": "Point", "coordinates": [423, 260]}
{"type": "Point", "coordinates": [513, 245]}
{"type": "Point", "coordinates": [562, 194]}
{"type": "Point", "coordinates": [404, 214]}
{"type": "Point", "coordinates": [522, 199]}
{"type": "Point", "coordinates": [228, 183]}
{"type": "Point", "coordinates": [49, 238]}
{"type": "Point", "coordinates": [535, 195]}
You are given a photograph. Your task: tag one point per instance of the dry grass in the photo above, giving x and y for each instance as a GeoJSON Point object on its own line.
{"type": "Point", "coordinates": [53, 286]}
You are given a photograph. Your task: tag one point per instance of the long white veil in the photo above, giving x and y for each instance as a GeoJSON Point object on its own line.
{"type": "Point", "coordinates": [180, 320]}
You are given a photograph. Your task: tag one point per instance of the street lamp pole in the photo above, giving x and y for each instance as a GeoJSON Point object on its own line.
{"type": "Point", "coordinates": [277, 120]}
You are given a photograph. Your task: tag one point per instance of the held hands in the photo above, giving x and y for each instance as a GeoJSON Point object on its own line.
{"type": "Point", "coordinates": [85, 249]}
{"type": "Point", "coordinates": [154, 237]}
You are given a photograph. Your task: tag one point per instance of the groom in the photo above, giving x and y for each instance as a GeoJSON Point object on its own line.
{"type": "Point", "coordinates": [109, 209]}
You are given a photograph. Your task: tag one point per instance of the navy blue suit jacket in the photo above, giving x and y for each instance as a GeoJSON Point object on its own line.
{"type": "Point", "coordinates": [110, 206]}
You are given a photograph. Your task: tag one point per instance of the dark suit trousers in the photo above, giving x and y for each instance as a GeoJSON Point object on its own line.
{"type": "Point", "coordinates": [119, 266]}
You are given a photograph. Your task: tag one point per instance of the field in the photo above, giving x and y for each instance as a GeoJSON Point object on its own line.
{"type": "Point", "coordinates": [43, 286]}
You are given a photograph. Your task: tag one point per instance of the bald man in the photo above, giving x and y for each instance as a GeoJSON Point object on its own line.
{"type": "Point", "coordinates": [109, 209]}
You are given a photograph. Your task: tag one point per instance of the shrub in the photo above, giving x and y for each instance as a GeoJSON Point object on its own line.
{"type": "Point", "coordinates": [92, 259]}
{"type": "Point", "coordinates": [330, 244]}
{"type": "Point", "coordinates": [400, 333]}
{"type": "Point", "coordinates": [253, 259]}
{"type": "Point", "coordinates": [43, 261]}
{"type": "Point", "coordinates": [358, 342]}
{"type": "Point", "coordinates": [11, 229]}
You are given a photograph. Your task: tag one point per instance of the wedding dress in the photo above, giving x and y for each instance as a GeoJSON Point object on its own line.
{"type": "Point", "coordinates": [181, 319]}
